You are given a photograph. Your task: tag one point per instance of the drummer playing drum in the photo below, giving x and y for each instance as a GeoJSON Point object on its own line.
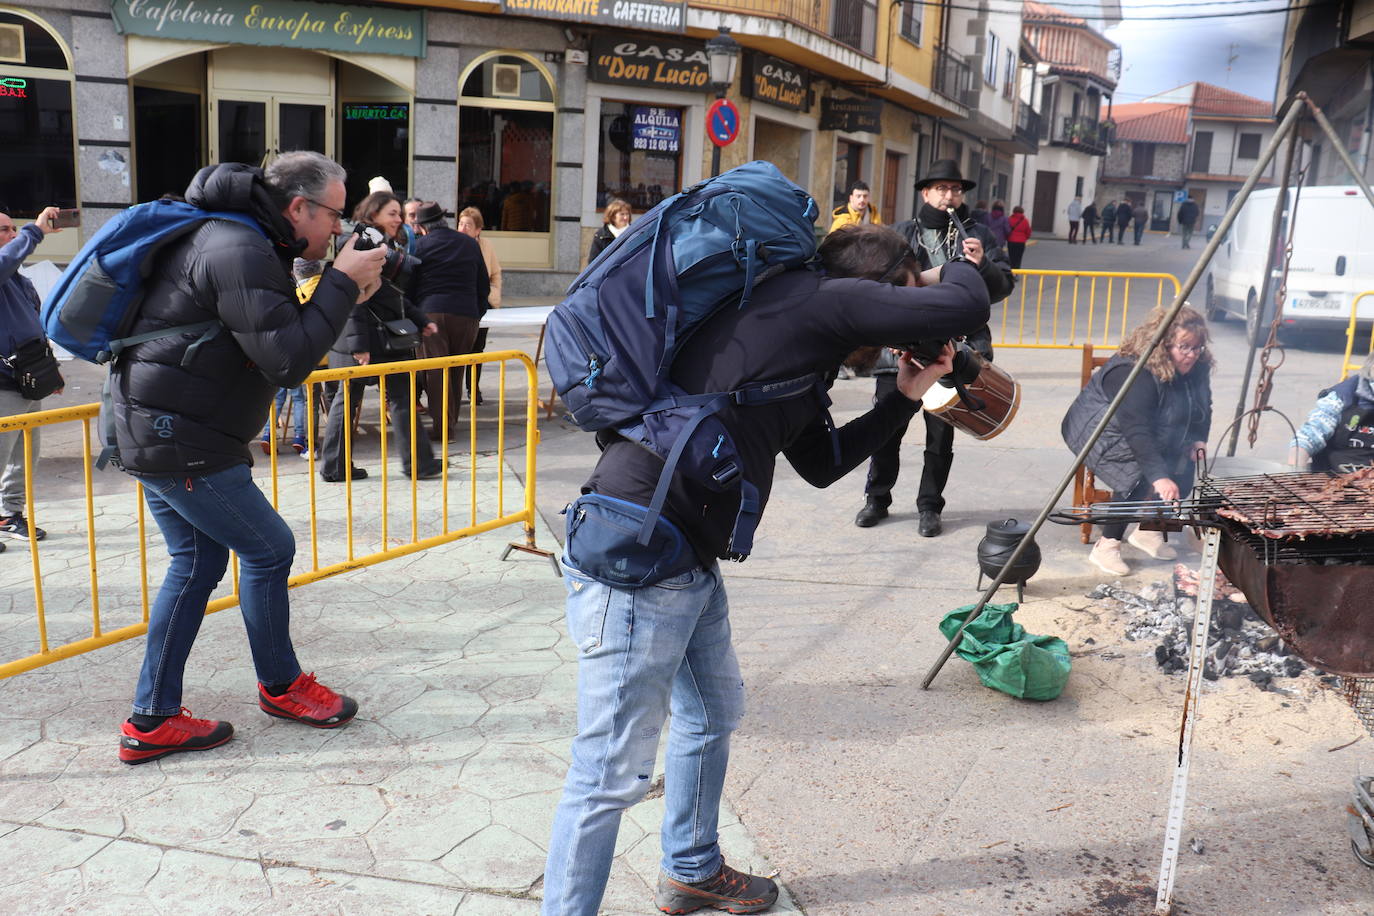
{"type": "Point", "coordinates": [935, 239]}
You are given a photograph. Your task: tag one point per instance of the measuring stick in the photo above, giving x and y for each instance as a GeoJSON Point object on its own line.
{"type": "Point", "coordinates": [1202, 624]}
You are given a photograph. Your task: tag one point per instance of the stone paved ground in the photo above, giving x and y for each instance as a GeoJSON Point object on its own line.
{"type": "Point", "coordinates": [436, 799]}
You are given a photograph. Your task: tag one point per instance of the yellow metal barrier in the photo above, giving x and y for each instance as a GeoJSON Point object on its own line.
{"type": "Point", "coordinates": [1349, 364]}
{"type": "Point", "coordinates": [473, 522]}
{"type": "Point", "coordinates": [1085, 306]}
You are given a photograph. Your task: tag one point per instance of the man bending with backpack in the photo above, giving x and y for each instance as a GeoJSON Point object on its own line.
{"type": "Point", "coordinates": [183, 424]}
{"type": "Point", "coordinates": [665, 646]}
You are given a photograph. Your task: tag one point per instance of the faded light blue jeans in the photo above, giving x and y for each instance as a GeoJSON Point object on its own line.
{"type": "Point", "coordinates": [202, 519]}
{"type": "Point", "coordinates": [644, 652]}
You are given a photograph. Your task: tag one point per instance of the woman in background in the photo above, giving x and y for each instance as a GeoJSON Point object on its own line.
{"type": "Point", "coordinates": [1018, 233]}
{"type": "Point", "coordinates": [616, 220]}
{"type": "Point", "coordinates": [470, 224]}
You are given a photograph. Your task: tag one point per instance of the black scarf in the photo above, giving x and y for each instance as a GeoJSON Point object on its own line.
{"type": "Point", "coordinates": [931, 218]}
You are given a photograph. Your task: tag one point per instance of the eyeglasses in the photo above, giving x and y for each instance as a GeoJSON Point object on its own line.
{"type": "Point", "coordinates": [947, 188]}
{"type": "Point", "coordinates": [338, 214]}
{"type": "Point", "coordinates": [1198, 350]}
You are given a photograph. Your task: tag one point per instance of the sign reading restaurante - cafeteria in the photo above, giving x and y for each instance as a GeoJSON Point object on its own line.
{"type": "Point", "coordinates": [280, 23]}
{"type": "Point", "coordinates": [631, 61]}
{"type": "Point", "coordinates": [658, 15]}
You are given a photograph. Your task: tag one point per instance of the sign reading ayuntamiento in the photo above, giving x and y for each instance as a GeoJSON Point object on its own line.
{"type": "Point", "coordinates": [280, 23]}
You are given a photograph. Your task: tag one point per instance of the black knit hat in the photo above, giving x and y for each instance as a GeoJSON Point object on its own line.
{"type": "Point", "coordinates": [945, 170]}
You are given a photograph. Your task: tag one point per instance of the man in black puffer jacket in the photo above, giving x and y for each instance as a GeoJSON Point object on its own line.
{"type": "Point", "coordinates": [183, 427]}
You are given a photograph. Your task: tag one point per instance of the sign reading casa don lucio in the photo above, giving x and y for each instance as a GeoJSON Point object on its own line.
{"type": "Point", "coordinates": [671, 64]}
{"type": "Point", "coordinates": [770, 79]}
{"type": "Point", "coordinates": [658, 15]}
{"type": "Point", "coordinates": [279, 23]}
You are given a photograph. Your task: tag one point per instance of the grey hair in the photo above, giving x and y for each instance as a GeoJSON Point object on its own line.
{"type": "Point", "coordinates": [1367, 370]}
{"type": "Point", "coordinates": [303, 173]}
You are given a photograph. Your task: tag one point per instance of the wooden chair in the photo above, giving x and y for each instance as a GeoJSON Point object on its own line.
{"type": "Point", "coordinates": [1085, 490]}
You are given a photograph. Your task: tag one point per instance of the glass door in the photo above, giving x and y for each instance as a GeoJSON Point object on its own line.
{"type": "Point", "coordinates": [254, 128]}
{"type": "Point", "coordinates": [242, 131]}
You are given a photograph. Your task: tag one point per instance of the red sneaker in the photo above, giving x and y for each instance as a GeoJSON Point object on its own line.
{"type": "Point", "coordinates": [309, 701]}
{"type": "Point", "coordinates": [179, 733]}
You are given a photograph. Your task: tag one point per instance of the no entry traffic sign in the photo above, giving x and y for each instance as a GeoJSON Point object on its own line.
{"type": "Point", "coordinates": [722, 122]}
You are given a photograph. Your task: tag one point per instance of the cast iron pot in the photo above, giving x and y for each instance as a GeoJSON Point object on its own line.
{"type": "Point", "coordinates": [996, 548]}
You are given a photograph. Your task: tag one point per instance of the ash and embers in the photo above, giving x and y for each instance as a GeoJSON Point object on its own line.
{"type": "Point", "coordinates": [1239, 643]}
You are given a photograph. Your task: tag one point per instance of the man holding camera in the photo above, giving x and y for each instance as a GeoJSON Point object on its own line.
{"type": "Point", "coordinates": [666, 645]}
{"type": "Point", "coordinates": [450, 286]}
{"type": "Point", "coordinates": [936, 241]}
{"type": "Point", "coordinates": [184, 420]}
{"type": "Point", "coordinates": [18, 325]}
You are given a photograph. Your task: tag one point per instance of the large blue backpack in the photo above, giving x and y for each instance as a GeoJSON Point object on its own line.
{"type": "Point", "coordinates": [610, 344]}
{"type": "Point", "coordinates": [91, 309]}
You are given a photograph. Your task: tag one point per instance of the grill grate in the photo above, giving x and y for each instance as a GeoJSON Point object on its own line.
{"type": "Point", "coordinates": [1295, 505]}
{"type": "Point", "coordinates": [1359, 693]}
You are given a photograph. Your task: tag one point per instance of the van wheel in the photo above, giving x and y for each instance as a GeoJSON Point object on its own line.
{"type": "Point", "coordinates": [1256, 325]}
{"type": "Point", "coordinates": [1214, 311]}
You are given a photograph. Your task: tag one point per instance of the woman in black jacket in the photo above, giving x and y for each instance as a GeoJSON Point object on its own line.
{"type": "Point", "coordinates": [1149, 448]}
{"type": "Point", "coordinates": [365, 341]}
{"type": "Point", "coordinates": [616, 218]}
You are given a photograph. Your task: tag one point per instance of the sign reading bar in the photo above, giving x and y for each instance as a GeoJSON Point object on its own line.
{"type": "Point", "coordinates": [657, 15]}
{"type": "Point", "coordinates": [656, 130]}
{"type": "Point", "coordinates": [852, 115]}
{"type": "Point", "coordinates": [648, 62]}
{"type": "Point", "coordinates": [279, 23]}
{"type": "Point", "coordinates": [770, 79]}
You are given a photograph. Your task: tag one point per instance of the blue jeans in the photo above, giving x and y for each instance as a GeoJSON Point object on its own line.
{"type": "Point", "coordinates": [642, 653]}
{"type": "Point", "coordinates": [202, 519]}
{"type": "Point", "coordinates": [297, 409]}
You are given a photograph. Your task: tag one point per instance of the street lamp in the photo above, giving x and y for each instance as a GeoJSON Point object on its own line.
{"type": "Point", "coordinates": [722, 60]}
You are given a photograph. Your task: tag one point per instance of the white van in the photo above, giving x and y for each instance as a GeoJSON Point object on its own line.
{"type": "Point", "coordinates": [1333, 260]}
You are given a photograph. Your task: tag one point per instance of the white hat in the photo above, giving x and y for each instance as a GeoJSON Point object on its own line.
{"type": "Point", "coordinates": [379, 184]}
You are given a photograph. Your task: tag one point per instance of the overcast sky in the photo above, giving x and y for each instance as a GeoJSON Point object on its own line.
{"type": "Point", "coordinates": [1161, 53]}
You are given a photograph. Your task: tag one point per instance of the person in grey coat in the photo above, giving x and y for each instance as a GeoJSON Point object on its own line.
{"type": "Point", "coordinates": [1149, 448]}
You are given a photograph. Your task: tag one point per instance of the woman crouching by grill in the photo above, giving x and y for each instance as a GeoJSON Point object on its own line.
{"type": "Point", "coordinates": [1149, 448]}
{"type": "Point", "coordinates": [1339, 433]}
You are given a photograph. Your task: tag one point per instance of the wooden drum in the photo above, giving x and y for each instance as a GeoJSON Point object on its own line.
{"type": "Point", "coordinates": [999, 392]}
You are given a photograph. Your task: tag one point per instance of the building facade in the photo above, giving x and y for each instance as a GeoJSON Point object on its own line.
{"type": "Point", "coordinates": [1326, 55]}
{"type": "Point", "coordinates": [1076, 79]}
{"type": "Point", "coordinates": [534, 111]}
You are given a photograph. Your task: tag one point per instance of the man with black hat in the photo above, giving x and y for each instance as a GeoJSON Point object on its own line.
{"type": "Point", "coordinates": [451, 287]}
{"type": "Point", "coordinates": [935, 239]}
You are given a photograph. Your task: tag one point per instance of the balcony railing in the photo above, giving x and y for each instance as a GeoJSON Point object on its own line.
{"type": "Point", "coordinates": [953, 75]}
{"type": "Point", "coordinates": [1028, 125]}
{"type": "Point", "coordinates": [850, 22]}
{"type": "Point", "coordinates": [1081, 133]}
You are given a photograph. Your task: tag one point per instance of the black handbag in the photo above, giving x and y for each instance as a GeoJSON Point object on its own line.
{"type": "Point", "coordinates": [399, 335]}
{"type": "Point", "coordinates": [35, 369]}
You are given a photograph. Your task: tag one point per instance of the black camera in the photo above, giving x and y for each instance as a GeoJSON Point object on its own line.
{"type": "Point", "coordinates": [967, 362]}
{"type": "Point", "coordinates": [398, 266]}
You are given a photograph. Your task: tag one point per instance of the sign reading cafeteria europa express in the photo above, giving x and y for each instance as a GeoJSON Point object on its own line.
{"type": "Point", "coordinates": [668, 64]}
{"type": "Point", "coordinates": [279, 23]}
{"type": "Point", "coordinates": [658, 15]}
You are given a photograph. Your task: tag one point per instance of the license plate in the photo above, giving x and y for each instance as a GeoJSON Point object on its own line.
{"type": "Point", "coordinates": [1314, 305]}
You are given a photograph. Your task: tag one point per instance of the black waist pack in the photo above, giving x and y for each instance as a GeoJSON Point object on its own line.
{"type": "Point", "coordinates": [35, 369]}
{"type": "Point", "coordinates": [603, 542]}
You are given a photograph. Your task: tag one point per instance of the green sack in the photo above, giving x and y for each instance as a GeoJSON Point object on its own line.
{"type": "Point", "coordinates": [1006, 657]}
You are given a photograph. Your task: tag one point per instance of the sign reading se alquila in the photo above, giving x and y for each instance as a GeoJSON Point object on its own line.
{"type": "Point", "coordinates": [280, 23]}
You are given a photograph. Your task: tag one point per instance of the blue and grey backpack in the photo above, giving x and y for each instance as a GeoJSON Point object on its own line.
{"type": "Point", "coordinates": [610, 344]}
{"type": "Point", "coordinates": [91, 309]}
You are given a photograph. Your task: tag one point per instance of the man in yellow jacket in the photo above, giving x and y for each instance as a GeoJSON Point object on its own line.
{"type": "Point", "coordinates": [857, 210]}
